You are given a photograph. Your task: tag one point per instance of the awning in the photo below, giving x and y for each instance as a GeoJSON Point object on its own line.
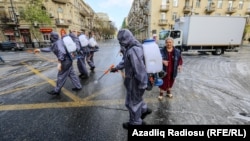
{"type": "Point", "coordinates": [9, 32]}
{"type": "Point", "coordinates": [46, 30]}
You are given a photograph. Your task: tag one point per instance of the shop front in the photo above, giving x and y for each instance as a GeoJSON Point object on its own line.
{"type": "Point", "coordinates": [46, 36]}
{"type": "Point", "coordinates": [9, 35]}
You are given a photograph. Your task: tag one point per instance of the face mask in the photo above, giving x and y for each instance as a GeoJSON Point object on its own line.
{"type": "Point", "coordinates": [122, 44]}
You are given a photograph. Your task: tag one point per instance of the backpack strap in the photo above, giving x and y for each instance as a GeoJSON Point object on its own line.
{"type": "Point", "coordinates": [67, 52]}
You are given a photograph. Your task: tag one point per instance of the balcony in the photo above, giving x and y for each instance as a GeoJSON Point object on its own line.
{"type": "Point", "coordinates": [84, 12]}
{"type": "Point", "coordinates": [60, 1]}
{"type": "Point", "coordinates": [187, 9]}
{"type": "Point", "coordinates": [210, 9]}
{"type": "Point", "coordinates": [248, 11]}
{"type": "Point", "coordinates": [62, 22]}
{"type": "Point", "coordinates": [141, 3]}
{"type": "Point", "coordinates": [164, 8]}
{"type": "Point", "coordinates": [163, 22]}
{"type": "Point", "coordinates": [231, 10]}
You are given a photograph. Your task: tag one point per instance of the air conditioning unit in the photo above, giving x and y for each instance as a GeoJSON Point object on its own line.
{"type": "Point", "coordinates": [61, 21]}
{"type": "Point", "coordinates": [35, 24]}
{"type": "Point", "coordinates": [17, 14]}
{"type": "Point", "coordinates": [51, 15]}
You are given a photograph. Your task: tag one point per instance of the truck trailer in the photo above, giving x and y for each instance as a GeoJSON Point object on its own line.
{"type": "Point", "coordinates": [215, 34]}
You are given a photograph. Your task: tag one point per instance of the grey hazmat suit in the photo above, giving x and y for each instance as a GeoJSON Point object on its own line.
{"type": "Point", "coordinates": [66, 62]}
{"type": "Point", "coordinates": [81, 64]}
{"type": "Point", "coordinates": [136, 77]}
{"type": "Point", "coordinates": [90, 55]}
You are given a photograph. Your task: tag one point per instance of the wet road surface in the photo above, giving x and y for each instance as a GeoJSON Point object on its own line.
{"type": "Point", "coordinates": [209, 90]}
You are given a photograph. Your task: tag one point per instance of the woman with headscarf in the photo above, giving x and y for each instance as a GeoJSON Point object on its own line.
{"type": "Point", "coordinates": [172, 63]}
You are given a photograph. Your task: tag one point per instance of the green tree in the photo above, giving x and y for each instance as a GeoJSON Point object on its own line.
{"type": "Point", "coordinates": [105, 30]}
{"type": "Point", "coordinates": [35, 12]}
{"type": "Point", "coordinates": [124, 23]}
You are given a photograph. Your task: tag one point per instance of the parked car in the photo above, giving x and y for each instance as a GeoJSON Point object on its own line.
{"type": "Point", "coordinates": [10, 45]}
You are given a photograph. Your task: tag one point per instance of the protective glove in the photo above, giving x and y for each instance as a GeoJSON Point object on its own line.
{"type": "Point", "coordinates": [59, 66]}
{"type": "Point", "coordinates": [113, 70]}
{"type": "Point", "coordinates": [143, 86]}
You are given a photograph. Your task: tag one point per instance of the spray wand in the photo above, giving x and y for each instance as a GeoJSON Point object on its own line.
{"type": "Point", "coordinates": [96, 81]}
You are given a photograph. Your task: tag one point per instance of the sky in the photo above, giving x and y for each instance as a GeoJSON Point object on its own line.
{"type": "Point", "coordinates": [117, 10]}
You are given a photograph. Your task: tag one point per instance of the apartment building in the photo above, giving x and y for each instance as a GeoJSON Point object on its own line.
{"type": "Point", "coordinates": [147, 17]}
{"type": "Point", "coordinates": [64, 14]}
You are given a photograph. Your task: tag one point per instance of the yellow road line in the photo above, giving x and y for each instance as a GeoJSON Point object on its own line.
{"type": "Point", "coordinates": [68, 104]}
{"type": "Point", "coordinates": [52, 82]}
{"type": "Point", "coordinates": [19, 74]}
{"type": "Point", "coordinates": [22, 88]}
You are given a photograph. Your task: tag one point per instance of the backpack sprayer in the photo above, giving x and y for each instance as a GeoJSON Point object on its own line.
{"type": "Point", "coordinates": [106, 72]}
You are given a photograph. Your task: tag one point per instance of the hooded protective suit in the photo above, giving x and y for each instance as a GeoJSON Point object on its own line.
{"type": "Point", "coordinates": [136, 77]}
{"type": "Point", "coordinates": [66, 63]}
{"type": "Point", "coordinates": [92, 50]}
{"type": "Point", "coordinates": [81, 65]}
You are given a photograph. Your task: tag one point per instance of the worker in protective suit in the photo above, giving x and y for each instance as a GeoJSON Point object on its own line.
{"type": "Point", "coordinates": [92, 49]}
{"type": "Point", "coordinates": [136, 77]}
{"type": "Point", "coordinates": [65, 62]}
{"type": "Point", "coordinates": [81, 63]}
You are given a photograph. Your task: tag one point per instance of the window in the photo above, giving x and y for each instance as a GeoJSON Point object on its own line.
{"type": "Point", "coordinates": [174, 16]}
{"type": "Point", "coordinates": [175, 34]}
{"type": "Point", "coordinates": [198, 4]}
{"type": "Point", "coordinates": [175, 3]}
{"type": "Point", "coordinates": [163, 16]}
{"type": "Point", "coordinates": [46, 37]}
{"type": "Point", "coordinates": [209, 3]}
{"type": "Point", "coordinates": [163, 34]}
{"type": "Point", "coordinates": [163, 2]}
{"type": "Point", "coordinates": [187, 3]}
{"type": "Point", "coordinates": [241, 4]}
{"type": "Point", "coordinates": [60, 10]}
{"type": "Point", "coordinates": [219, 4]}
{"type": "Point", "coordinates": [230, 5]}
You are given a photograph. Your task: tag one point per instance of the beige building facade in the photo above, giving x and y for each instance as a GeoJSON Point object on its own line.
{"type": "Point", "coordinates": [65, 16]}
{"type": "Point", "coordinates": [148, 17]}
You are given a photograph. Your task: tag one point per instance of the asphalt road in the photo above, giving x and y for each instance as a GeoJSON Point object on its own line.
{"type": "Point", "coordinates": [209, 90]}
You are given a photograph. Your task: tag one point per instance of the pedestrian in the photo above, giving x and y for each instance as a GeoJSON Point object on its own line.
{"type": "Point", "coordinates": [92, 49]}
{"type": "Point", "coordinates": [1, 59]}
{"type": "Point", "coordinates": [65, 62]}
{"type": "Point", "coordinates": [136, 77]}
{"type": "Point", "coordinates": [172, 63]}
{"type": "Point", "coordinates": [81, 63]}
